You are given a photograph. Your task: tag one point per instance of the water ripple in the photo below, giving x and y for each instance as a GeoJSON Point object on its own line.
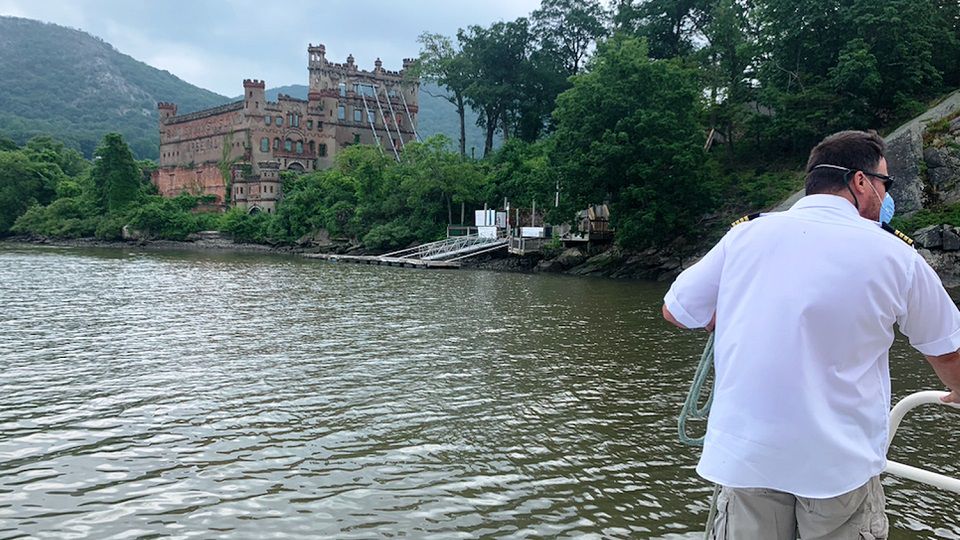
{"type": "Point", "coordinates": [197, 395]}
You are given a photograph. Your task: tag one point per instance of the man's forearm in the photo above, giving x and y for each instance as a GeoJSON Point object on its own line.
{"type": "Point", "coordinates": [947, 367]}
{"type": "Point", "coordinates": [671, 319]}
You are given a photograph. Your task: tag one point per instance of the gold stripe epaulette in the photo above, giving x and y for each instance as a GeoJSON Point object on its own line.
{"type": "Point", "coordinates": [745, 219]}
{"type": "Point", "coordinates": [898, 234]}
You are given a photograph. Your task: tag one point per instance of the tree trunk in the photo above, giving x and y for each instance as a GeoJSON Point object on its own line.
{"type": "Point", "coordinates": [449, 210]}
{"type": "Point", "coordinates": [492, 116]}
{"type": "Point", "coordinates": [463, 129]}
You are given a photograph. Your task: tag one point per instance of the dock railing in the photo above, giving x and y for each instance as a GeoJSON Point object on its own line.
{"type": "Point", "coordinates": [520, 245]}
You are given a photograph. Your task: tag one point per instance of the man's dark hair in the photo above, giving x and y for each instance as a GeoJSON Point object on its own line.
{"type": "Point", "coordinates": [855, 150]}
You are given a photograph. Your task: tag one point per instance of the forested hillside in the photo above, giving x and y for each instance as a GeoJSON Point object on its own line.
{"type": "Point", "coordinates": [68, 84]}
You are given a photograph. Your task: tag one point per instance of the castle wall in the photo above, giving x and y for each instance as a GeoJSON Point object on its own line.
{"type": "Point", "coordinates": [199, 180]}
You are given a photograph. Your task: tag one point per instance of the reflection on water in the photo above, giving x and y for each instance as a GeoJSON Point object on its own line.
{"type": "Point", "coordinates": [199, 395]}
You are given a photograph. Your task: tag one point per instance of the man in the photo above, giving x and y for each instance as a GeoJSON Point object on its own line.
{"type": "Point", "coordinates": [804, 303]}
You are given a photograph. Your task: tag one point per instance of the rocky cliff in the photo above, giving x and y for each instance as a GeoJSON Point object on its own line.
{"type": "Point", "coordinates": [924, 157]}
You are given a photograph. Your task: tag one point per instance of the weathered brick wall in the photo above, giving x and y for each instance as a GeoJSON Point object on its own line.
{"type": "Point", "coordinates": [199, 180]}
{"type": "Point", "coordinates": [202, 139]}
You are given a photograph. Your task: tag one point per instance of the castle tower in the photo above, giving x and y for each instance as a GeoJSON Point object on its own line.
{"type": "Point", "coordinates": [316, 66]}
{"type": "Point", "coordinates": [254, 96]}
{"type": "Point", "coordinates": [316, 55]}
{"type": "Point", "coordinates": [411, 91]}
{"type": "Point", "coordinates": [167, 110]}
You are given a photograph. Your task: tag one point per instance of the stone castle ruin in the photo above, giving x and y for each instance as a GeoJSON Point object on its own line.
{"type": "Point", "coordinates": [235, 152]}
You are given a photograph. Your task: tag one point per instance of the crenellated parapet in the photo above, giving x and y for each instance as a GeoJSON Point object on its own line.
{"type": "Point", "coordinates": [166, 109]}
{"type": "Point", "coordinates": [254, 83]}
{"type": "Point", "coordinates": [208, 113]}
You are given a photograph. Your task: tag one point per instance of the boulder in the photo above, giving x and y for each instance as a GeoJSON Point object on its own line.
{"type": "Point", "coordinates": [318, 238]}
{"type": "Point", "coordinates": [929, 237]}
{"type": "Point", "coordinates": [955, 125]}
{"type": "Point", "coordinates": [946, 264]}
{"type": "Point", "coordinates": [568, 259]}
{"type": "Point", "coordinates": [597, 264]}
{"type": "Point", "coordinates": [943, 177]}
{"type": "Point", "coordinates": [129, 233]}
{"type": "Point", "coordinates": [951, 239]}
{"type": "Point", "coordinates": [904, 152]}
{"type": "Point", "coordinates": [933, 157]}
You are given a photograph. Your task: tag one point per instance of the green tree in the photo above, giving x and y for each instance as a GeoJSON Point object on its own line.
{"type": "Point", "coordinates": [498, 57]}
{"type": "Point", "coordinates": [442, 63]}
{"type": "Point", "coordinates": [671, 27]}
{"type": "Point", "coordinates": [431, 171]}
{"type": "Point", "coordinates": [24, 182]}
{"type": "Point", "coordinates": [728, 59]}
{"type": "Point", "coordinates": [7, 144]}
{"type": "Point", "coordinates": [521, 172]}
{"type": "Point", "coordinates": [571, 28]}
{"type": "Point", "coordinates": [628, 133]}
{"type": "Point", "coordinates": [46, 148]}
{"type": "Point", "coordinates": [115, 174]}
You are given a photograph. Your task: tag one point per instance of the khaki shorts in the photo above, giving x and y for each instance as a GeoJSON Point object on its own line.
{"type": "Point", "coordinates": [767, 514]}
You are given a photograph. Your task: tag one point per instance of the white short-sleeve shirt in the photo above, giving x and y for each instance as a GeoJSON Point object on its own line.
{"type": "Point", "coordinates": [806, 301]}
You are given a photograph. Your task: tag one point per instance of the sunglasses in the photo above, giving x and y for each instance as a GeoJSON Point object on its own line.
{"type": "Point", "coordinates": [887, 180]}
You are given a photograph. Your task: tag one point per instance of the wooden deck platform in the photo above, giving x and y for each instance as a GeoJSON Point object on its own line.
{"type": "Point", "coordinates": [383, 261]}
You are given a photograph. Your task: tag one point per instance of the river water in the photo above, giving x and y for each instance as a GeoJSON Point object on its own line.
{"type": "Point", "coordinates": [199, 395]}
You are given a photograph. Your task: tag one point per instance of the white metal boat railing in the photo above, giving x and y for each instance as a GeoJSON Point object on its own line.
{"type": "Point", "coordinates": [908, 471]}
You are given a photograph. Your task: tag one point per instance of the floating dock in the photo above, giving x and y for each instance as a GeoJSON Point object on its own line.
{"type": "Point", "coordinates": [384, 261]}
{"type": "Point", "coordinates": [440, 254]}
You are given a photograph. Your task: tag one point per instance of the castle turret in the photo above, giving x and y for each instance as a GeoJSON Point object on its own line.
{"type": "Point", "coordinates": [254, 98]}
{"type": "Point", "coordinates": [317, 56]}
{"type": "Point", "coordinates": [378, 66]}
{"type": "Point", "coordinates": [167, 110]}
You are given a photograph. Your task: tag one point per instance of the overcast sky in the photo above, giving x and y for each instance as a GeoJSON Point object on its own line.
{"type": "Point", "coordinates": [215, 44]}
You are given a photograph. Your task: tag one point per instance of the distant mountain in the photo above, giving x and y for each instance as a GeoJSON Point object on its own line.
{"type": "Point", "coordinates": [76, 87]}
{"type": "Point", "coordinates": [437, 115]}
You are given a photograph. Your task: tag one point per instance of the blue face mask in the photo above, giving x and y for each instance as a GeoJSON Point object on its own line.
{"type": "Point", "coordinates": [886, 206]}
{"type": "Point", "coordinates": [886, 209]}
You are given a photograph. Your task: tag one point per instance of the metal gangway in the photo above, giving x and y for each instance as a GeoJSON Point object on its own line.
{"type": "Point", "coordinates": [451, 249]}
